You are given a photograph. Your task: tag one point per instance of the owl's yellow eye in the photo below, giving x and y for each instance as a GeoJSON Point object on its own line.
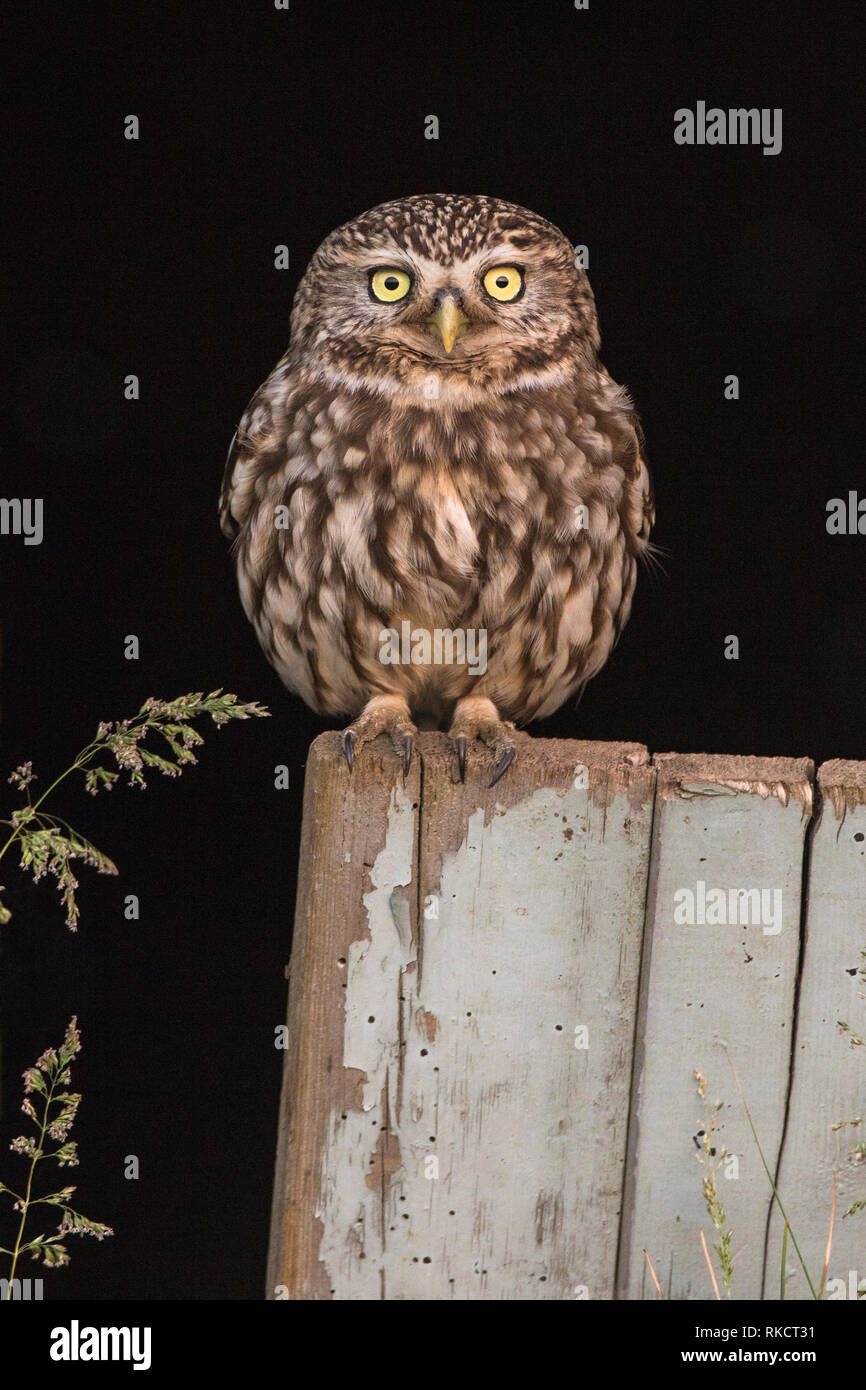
{"type": "Point", "coordinates": [389, 284]}
{"type": "Point", "coordinates": [504, 282]}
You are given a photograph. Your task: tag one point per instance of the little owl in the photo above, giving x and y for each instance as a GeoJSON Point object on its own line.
{"type": "Point", "coordinates": [439, 451]}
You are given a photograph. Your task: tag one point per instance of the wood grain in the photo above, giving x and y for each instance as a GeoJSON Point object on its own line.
{"type": "Point", "coordinates": [828, 1088]}
{"type": "Point", "coordinates": [446, 1132]}
{"type": "Point", "coordinates": [708, 988]}
{"type": "Point", "coordinates": [359, 839]}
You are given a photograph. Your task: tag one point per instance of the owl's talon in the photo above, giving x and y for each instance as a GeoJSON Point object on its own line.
{"type": "Point", "coordinates": [382, 714]}
{"type": "Point", "coordinates": [349, 747]}
{"type": "Point", "coordinates": [503, 765]}
{"type": "Point", "coordinates": [476, 717]}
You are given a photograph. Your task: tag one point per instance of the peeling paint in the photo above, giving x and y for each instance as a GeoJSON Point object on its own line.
{"type": "Point", "coordinates": [361, 1154]}
{"type": "Point", "coordinates": [487, 1096]}
{"type": "Point", "coordinates": [737, 822]}
{"type": "Point", "coordinates": [829, 1078]}
{"type": "Point", "coordinates": [427, 1023]}
{"type": "Point", "coordinates": [444, 1135]}
{"type": "Point", "coordinates": [385, 1159]}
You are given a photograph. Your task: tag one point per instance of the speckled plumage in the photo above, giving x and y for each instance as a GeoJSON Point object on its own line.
{"type": "Point", "coordinates": [444, 488]}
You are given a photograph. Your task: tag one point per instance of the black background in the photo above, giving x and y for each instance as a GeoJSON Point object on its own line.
{"type": "Point", "coordinates": [155, 257]}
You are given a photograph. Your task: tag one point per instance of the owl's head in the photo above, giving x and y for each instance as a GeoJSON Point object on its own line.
{"type": "Point", "coordinates": [444, 297]}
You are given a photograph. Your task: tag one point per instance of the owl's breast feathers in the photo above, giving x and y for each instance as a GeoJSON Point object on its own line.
{"type": "Point", "coordinates": [523, 517]}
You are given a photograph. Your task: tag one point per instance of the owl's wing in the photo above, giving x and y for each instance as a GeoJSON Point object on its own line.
{"type": "Point", "coordinates": [637, 508]}
{"type": "Point", "coordinates": [238, 485]}
{"type": "Point", "coordinates": [637, 514]}
{"type": "Point", "coordinates": [228, 525]}
{"type": "Point", "coordinates": [644, 505]}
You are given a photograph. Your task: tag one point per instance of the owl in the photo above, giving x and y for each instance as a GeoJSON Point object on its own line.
{"type": "Point", "coordinates": [437, 498]}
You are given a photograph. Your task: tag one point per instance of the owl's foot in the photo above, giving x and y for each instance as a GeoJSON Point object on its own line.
{"type": "Point", "coordinates": [384, 714]}
{"type": "Point", "coordinates": [478, 717]}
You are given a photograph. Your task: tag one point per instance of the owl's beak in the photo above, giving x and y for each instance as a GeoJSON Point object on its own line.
{"type": "Point", "coordinates": [449, 322]}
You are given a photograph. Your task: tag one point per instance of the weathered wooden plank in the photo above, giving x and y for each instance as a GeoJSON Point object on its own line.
{"type": "Point", "coordinates": [519, 1026]}
{"type": "Point", "coordinates": [452, 1134]}
{"type": "Point", "coordinates": [727, 980]}
{"type": "Point", "coordinates": [353, 926]}
{"type": "Point", "coordinates": [829, 1074]}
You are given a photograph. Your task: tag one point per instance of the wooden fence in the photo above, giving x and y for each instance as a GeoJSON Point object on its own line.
{"type": "Point", "coordinates": [499, 1001]}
